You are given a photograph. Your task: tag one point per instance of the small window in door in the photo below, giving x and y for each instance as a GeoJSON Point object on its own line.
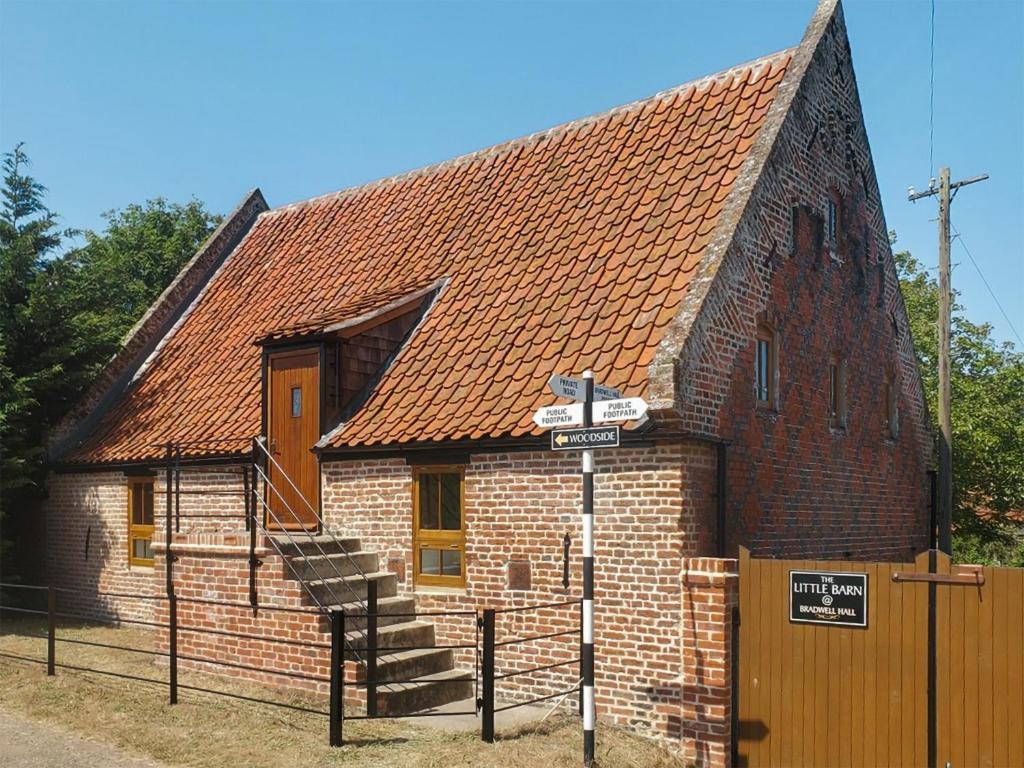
{"type": "Point", "coordinates": [140, 521]}
{"type": "Point", "coordinates": [296, 402]}
{"type": "Point", "coordinates": [439, 527]}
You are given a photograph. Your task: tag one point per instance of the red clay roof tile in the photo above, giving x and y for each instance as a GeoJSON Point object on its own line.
{"type": "Point", "coordinates": [565, 250]}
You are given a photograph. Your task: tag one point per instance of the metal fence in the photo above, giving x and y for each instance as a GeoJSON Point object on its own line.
{"type": "Point", "coordinates": [486, 649]}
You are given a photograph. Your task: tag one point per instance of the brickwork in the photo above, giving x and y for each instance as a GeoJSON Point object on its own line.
{"type": "Point", "coordinates": [710, 592]}
{"type": "Point", "coordinates": [652, 507]}
{"type": "Point", "coordinates": [87, 545]}
{"type": "Point", "coordinates": [792, 475]}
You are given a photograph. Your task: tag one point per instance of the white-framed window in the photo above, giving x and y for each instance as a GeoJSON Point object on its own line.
{"type": "Point", "coordinates": [766, 366]}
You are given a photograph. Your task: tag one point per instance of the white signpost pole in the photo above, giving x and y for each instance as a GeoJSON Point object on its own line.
{"type": "Point", "coordinates": [589, 714]}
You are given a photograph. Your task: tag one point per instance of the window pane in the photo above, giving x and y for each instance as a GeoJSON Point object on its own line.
{"type": "Point", "coordinates": [430, 562]}
{"type": "Point", "coordinates": [451, 562]}
{"type": "Point", "coordinates": [428, 502]}
{"type": "Point", "coordinates": [451, 503]}
{"type": "Point", "coordinates": [833, 381]}
{"type": "Point", "coordinates": [296, 402]}
{"type": "Point", "coordinates": [142, 549]}
{"type": "Point", "coordinates": [135, 495]}
{"type": "Point", "coordinates": [147, 504]}
{"type": "Point", "coordinates": [762, 369]}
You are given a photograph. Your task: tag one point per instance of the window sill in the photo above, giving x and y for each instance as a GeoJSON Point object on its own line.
{"type": "Point", "coordinates": [434, 590]}
{"type": "Point", "coordinates": [767, 411]}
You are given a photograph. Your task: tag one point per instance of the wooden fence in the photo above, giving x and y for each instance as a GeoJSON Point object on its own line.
{"type": "Point", "coordinates": [832, 695]}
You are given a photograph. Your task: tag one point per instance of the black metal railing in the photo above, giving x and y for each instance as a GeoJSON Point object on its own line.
{"type": "Point", "coordinates": [489, 655]}
{"type": "Point", "coordinates": [173, 628]}
{"type": "Point", "coordinates": [268, 511]}
{"type": "Point", "coordinates": [485, 646]}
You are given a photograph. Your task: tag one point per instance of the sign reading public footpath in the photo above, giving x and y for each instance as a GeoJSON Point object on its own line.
{"type": "Point", "coordinates": [827, 597]}
{"type": "Point", "coordinates": [627, 409]}
{"type": "Point", "coordinates": [559, 415]}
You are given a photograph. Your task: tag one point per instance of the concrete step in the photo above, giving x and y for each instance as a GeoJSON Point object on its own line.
{"type": "Point", "coordinates": [353, 588]}
{"type": "Point", "coordinates": [408, 665]}
{"type": "Point", "coordinates": [355, 619]}
{"type": "Point", "coordinates": [406, 634]}
{"type": "Point", "coordinates": [431, 691]}
{"type": "Point", "coordinates": [317, 566]}
{"type": "Point", "coordinates": [299, 543]}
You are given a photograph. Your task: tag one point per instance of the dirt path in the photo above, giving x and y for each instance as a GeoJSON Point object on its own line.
{"type": "Point", "coordinates": [27, 743]}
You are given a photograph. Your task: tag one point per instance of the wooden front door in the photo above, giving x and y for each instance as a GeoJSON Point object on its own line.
{"type": "Point", "coordinates": [293, 427]}
{"type": "Point", "coordinates": [439, 527]}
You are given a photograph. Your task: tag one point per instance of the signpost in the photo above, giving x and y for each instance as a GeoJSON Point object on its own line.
{"type": "Point", "coordinates": [602, 404]}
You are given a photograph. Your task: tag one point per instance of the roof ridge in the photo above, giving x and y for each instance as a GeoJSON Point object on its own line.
{"type": "Point", "coordinates": [521, 141]}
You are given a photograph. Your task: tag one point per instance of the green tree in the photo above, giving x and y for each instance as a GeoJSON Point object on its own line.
{"type": "Point", "coordinates": [28, 235]}
{"type": "Point", "coordinates": [987, 383]}
{"type": "Point", "coordinates": [64, 315]}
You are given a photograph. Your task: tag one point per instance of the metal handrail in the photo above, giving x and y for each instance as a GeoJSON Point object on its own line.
{"type": "Point", "coordinates": [312, 538]}
{"type": "Point", "coordinates": [302, 581]}
{"type": "Point", "coordinates": [260, 441]}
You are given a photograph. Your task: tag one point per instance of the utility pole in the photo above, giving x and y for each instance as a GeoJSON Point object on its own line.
{"type": "Point", "coordinates": [945, 191]}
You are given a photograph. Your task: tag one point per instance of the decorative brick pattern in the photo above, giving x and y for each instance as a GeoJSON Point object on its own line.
{"type": "Point", "coordinates": [791, 475]}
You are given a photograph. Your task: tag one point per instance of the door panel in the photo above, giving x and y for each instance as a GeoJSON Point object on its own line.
{"type": "Point", "coordinates": [439, 527]}
{"type": "Point", "coordinates": [293, 427]}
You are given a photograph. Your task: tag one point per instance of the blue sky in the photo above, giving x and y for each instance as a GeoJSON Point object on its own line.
{"type": "Point", "coordinates": [120, 102]}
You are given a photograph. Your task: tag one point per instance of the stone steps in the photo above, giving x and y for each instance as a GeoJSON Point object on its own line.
{"type": "Point", "coordinates": [330, 568]}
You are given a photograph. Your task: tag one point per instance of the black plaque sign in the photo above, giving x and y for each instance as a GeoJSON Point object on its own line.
{"type": "Point", "coordinates": [827, 597]}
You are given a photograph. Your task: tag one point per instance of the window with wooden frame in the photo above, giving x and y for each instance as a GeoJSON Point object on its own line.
{"type": "Point", "coordinates": [140, 521]}
{"type": "Point", "coordinates": [439, 526]}
{"type": "Point", "coordinates": [837, 393]}
{"type": "Point", "coordinates": [766, 367]}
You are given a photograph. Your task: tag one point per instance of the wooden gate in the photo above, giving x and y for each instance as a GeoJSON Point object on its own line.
{"type": "Point", "coordinates": [832, 695]}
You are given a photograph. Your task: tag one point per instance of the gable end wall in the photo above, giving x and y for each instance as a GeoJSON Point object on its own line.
{"type": "Point", "coordinates": [797, 486]}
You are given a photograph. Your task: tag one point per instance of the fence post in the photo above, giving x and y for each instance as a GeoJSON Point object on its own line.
{"type": "Point", "coordinates": [168, 556]}
{"type": "Point", "coordinates": [337, 677]}
{"type": "Point", "coordinates": [172, 645]}
{"type": "Point", "coordinates": [250, 526]}
{"type": "Point", "coordinates": [51, 631]}
{"type": "Point", "coordinates": [371, 648]}
{"type": "Point", "coordinates": [487, 717]}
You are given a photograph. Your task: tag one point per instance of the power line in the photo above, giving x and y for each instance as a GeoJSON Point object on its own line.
{"type": "Point", "coordinates": [991, 293]}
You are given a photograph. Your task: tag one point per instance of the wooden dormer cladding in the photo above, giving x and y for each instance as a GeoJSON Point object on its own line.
{"type": "Point", "coordinates": [363, 355]}
{"type": "Point", "coordinates": [350, 363]}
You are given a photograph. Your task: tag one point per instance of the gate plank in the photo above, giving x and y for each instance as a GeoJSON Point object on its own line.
{"type": "Point", "coordinates": [1015, 665]}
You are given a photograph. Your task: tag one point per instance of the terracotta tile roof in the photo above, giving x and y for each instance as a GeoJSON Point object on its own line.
{"type": "Point", "coordinates": [566, 250]}
{"type": "Point", "coordinates": [360, 308]}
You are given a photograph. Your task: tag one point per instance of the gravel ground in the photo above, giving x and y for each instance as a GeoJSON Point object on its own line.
{"type": "Point", "coordinates": [26, 743]}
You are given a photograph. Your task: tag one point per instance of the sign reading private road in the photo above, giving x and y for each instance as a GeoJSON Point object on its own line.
{"type": "Point", "coordinates": [827, 597]}
{"type": "Point", "coordinates": [559, 415]}
{"type": "Point", "coordinates": [576, 389]}
{"type": "Point", "coordinates": [626, 409]}
{"type": "Point", "coordinates": [589, 437]}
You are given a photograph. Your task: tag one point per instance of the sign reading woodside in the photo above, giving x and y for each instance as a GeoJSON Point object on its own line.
{"type": "Point", "coordinates": [586, 438]}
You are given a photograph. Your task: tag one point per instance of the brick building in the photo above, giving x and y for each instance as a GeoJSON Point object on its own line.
{"type": "Point", "coordinates": [718, 249]}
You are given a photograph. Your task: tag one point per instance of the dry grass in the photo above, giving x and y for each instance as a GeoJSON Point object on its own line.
{"type": "Point", "coordinates": [213, 732]}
